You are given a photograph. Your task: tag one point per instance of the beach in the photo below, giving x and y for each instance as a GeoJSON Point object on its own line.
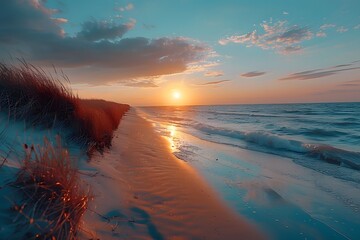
{"type": "Point", "coordinates": [142, 191]}
{"type": "Point", "coordinates": [281, 166]}
{"type": "Point", "coordinates": [179, 120]}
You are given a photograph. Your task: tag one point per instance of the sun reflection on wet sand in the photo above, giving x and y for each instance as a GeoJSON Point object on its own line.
{"type": "Point", "coordinates": [171, 137]}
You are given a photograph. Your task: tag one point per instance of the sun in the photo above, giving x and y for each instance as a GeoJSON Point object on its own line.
{"type": "Point", "coordinates": [176, 95]}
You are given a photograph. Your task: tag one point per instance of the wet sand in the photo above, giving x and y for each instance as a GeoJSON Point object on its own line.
{"type": "Point", "coordinates": [142, 191]}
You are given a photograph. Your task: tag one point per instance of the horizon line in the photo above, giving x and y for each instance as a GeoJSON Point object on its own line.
{"type": "Point", "coordinates": [233, 104]}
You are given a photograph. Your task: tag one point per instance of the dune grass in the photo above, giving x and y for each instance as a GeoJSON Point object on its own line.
{"type": "Point", "coordinates": [53, 199]}
{"type": "Point", "coordinates": [28, 93]}
{"type": "Point", "coordinates": [97, 120]}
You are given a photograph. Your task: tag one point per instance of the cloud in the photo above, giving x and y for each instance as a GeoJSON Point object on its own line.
{"type": "Point", "coordinates": [319, 73]}
{"type": "Point", "coordinates": [342, 65]}
{"type": "Point", "coordinates": [327, 26]}
{"type": "Point", "coordinates": [321, 34]}
{"type": "Point", "coordinates": [277, 36]}
{"type": "Point", "coordinates": [140, 83]}
{"type": "Point", "coordinates": [252, 74]}
{"type": "Point", "coordinates": [95, 30]}
{"type": "Point", "coordinates": [27, 27]}
{"type": "Point", "coordinates": [212, 83]}
{"type": "Point", "coordinates": [357, 27]}
{"type": "Point", "coordinates": [292, 35]}
{"type": "Point", "coordinates": [128, 7]}
{"type": "Point", "coordinates": [214, 74]}
{"type": "Point", "coordinates": [352, 83]}
{"type": "Point", "coordinates": [290, 49]}
{"type": "Point", "coordinates": [342, 29]}
{"type": "Point", "coordinates": [60, 20]}
{"type": "Point", "coordinates": [285, 13]}
{"type": "Point", "coordinates": [245, 38]}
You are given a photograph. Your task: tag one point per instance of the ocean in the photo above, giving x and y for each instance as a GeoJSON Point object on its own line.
{"type": "Point", "coordinates": [293, 170]}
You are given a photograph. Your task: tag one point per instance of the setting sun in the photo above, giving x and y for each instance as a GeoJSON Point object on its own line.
{"type": "Point", "coordinates": [176, 95]}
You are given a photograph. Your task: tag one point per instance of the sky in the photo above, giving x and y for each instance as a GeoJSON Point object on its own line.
{"type": "Point", "coordinates": [191, 52]}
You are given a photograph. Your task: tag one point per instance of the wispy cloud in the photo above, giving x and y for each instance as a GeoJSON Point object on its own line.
{"type": "Point", "coordinates": [343, 65]}
{"type": "Point", "coordinates": [252, 74]}
{"type": "Point", "coordinates": [60, 20]}
{"type": "Point", "coordinates": [128, 7]}
{"type": "Point", "coordinates": [319, 73]}
{"type": "Point", "coordinates": [277, 36]}
{"type": "Point", "coordinates": [327, 26]}
{"type": "Point", "coordinates": [140, 83]}
{"type": "Point", "coordinates": [357, 27]}
{"type": "Point", "coordinates": [97, 30]}
{"type": "Point", "coordinates": [321, 34]}
{"type": "Point", "coordinates": [285, 13]}
{"type": "Point", "coordinates": [342, 29]}
{"type": "Point", "coordinates": [323, 30]}
{"type": "Point", "coordinates": [214, 74]}
{"type": "Point", "coordinates": [212, 83]}
{"type": "Point", "coordinates": [352, 83]}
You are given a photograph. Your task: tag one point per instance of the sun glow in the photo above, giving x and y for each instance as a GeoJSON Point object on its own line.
{"type": "Point", "coordinates": [176, 95]}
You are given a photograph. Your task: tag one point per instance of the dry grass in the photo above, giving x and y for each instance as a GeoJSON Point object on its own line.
{"type": "Point", "coordinates": [53, 198]}
{"type": "Point", "coordinates": [97, 120]}
{"type": "Point", "coordinates": [28, 93]}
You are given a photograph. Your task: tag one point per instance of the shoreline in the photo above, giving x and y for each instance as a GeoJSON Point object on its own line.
{"type": "Point", "coordinates": [286, 198]}
{"type": "Point", "coordinates": [141, 191]}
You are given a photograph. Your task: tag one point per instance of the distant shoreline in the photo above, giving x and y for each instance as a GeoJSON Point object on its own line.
{"type": "Point", "coordinates": [246, 104]}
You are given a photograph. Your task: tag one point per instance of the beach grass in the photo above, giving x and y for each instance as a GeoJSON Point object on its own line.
{"type": "Point", "coordinates": [29, 93]}
{"type": "Point", "coordinates": [96, 121]}
{"type": "Point", "coordinates": [53, 198]}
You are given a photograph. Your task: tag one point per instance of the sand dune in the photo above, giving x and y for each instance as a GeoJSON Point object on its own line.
{"type": "Point", "coordinates": [143, 192]}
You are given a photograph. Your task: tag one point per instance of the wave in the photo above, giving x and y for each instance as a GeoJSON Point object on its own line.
{"type": "Point", "coordinates": [323, 152]}
{"type": "Point", "coordinates": [346, 124]}
{"type": "Point", "coordinates": [246, 114]}
{"type": "Point", "coordinates": [318, 132]}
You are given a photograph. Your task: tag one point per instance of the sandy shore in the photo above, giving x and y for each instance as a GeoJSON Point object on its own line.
{"type": "Point", "coordinates": [143, 192]}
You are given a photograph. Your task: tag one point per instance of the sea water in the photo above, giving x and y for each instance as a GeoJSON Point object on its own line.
{"type": "Point", "coordinates": [291, 169]}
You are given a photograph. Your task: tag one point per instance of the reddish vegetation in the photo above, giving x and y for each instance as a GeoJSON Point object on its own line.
{"type": "Point", "coordinates": [28, 93]}
{"type": "Point", "coordinates": [97, 119]}
{"type": "Point", "coordinates": [53, 198]}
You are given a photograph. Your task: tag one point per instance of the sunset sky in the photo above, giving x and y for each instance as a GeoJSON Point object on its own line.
{"type": "Point", "coordinates": [191, 51]}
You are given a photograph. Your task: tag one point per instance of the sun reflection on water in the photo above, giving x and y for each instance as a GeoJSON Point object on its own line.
{"type": "Point", "coordinates": [171, 137]}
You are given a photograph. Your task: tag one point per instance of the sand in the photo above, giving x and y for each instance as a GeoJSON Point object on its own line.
{"type": "Point", "coordinates": [142, 191]}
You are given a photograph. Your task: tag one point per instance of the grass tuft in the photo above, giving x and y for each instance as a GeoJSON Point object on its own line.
{"type": "Point", "coordinates": [53, 199]}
